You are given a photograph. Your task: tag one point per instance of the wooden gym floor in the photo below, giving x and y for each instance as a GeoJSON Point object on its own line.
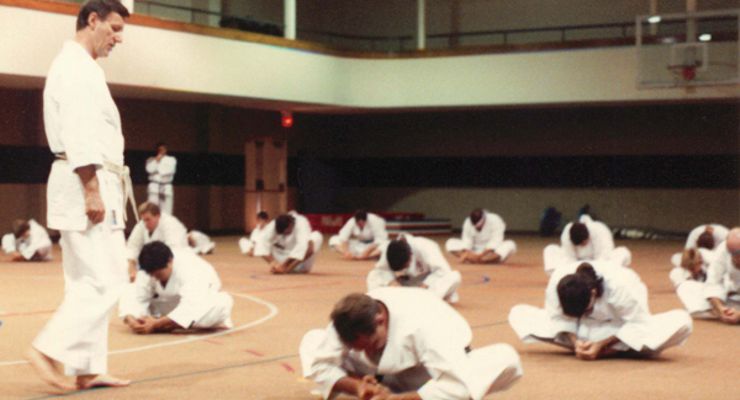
{"type": "Point", "coordinates": [258, 359]}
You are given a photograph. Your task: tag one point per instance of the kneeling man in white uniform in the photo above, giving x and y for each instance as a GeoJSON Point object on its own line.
{"type": "Point", "coordinates": [722, 288]}
{"type": "Point", "coordinates": [598, 310]}
{"type": "Point", "coordinates": [361, 237]}
{"type": "Point", "coordinates": [415, 261]}
{"type": "Point", "coordinates": [175, 289]}
{"type": "Point", "coordinates": [482, 239]}
{"type": "Point", "coordinates": [585, 240]}
{"type": "Point", "coordinates": [288, 244]}
{"type": "Point", "coordinates": [403, 343]}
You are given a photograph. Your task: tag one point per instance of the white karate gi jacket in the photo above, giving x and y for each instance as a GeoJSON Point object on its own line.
{"type": "Point", "coordinates": [161, 174]}
{"type": "Point", "coordinates": [201, 243]}
{"type": "Point", "coordinates": [169, 230]}
{"type": "Point", "coordinates": [83, 123]}
{"type": "Point", "coordinates": [37, 242]}
{"type": "Point", "coordinates": [600, 241]}
{"type": "Point", "coordinates": [373, 232]}
{"type": "Point", "coordinates": [679, 275]}
{"type": "Point", "coordinates": [428, 265]}
{"type": "Point", "coordinates": [425, 352]}
{"type": "Point", "coordinates": [192, 291]}
{"type": "Point", "coordinates": [723, 277]}
{"type": "Point", "coordinates": [719, 233]}
{"type": "Point", "coordinates": [282, 247]}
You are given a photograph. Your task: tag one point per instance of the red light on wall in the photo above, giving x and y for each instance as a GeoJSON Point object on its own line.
{"type": "Point", "coordinates": [286, 119]}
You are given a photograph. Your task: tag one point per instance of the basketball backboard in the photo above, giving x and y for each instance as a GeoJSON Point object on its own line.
{"type": "Point", "coordinates": [688, 49]}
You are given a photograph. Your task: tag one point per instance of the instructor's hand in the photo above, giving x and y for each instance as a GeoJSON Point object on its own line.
{"type": "Point", "coordinates": [94, 207]}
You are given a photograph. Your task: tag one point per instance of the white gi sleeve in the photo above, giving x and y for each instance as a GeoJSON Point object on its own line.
{"type": "Point", "coordinates": [346, 232]}
{"type": "Point", "coordinates": [80, 119]}
{"type": "Point", "coordinates": [380, 234]}
{"type": "Point", "coordinates": [167, 168]}
{"type": "Point", "coordinates": [678, 276]}
{"type": "Point", "coordinates": [264, 240]}
{"type": "Point", "coordinates": [602, 239]}
{"type": "Point", "coordinates": [135, 300]}
{"type": "Point", "coordinates": [321, 359]}
{"type": "Point", "coordinates": [433, 257]}
{"type": "Point", "coordinates": [497, 236]}
{"type": "Point", "coordinates": [151, 165]}
{"type": "Point", "coordinates": [714, 285]}
{"type": "Point", "coordinates": [468, 233]}
{"type": "Point", "coordinates": [136, 241]}
{"type": "Point", "coordinates": [302, 232]}
{"type": "Point", "coordinates": [634, 313]}
{"type": "Point", "coordinates": [380, 276]}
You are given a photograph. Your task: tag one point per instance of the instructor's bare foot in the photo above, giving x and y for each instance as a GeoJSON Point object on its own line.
{"type": "Point", "coordinates": [48, 370]}
{"type": "Point", "coordinates": [96, 381]}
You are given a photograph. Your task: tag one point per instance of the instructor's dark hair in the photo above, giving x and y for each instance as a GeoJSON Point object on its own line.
{"type": "Point", "coordinates": [283, 222]}
{"type": "Point", "coordinates": [102, 8]}
{"type": "Point", "coordinates": [154, 256]}
{"type": "Point", "coordinates": [578, 233]}
{"type": "Point", "coordinates": [574, 290]}
{"type": "Point", "coordinates": [354, 315]}
{"type": "Point", "coordinates": [398, 254]}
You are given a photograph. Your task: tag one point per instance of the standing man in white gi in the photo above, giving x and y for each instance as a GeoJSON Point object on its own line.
{"type": "Point", "coordinates": [28, 242]}
{"type": "Point", "coordinates": [585, 240]}
{"type": "Point", "coordinates": [722, 288]}
{"type": "Point", "coordinates": [85, 202]}
{"type": "Point", "coordinates": [289, 245]}
{"type": "Point", "coordinates": [482, 239]}
{"type": "Point", "coordinates": [175, 289]}
{"type": "Point", "coordinates": [161, 169]}
{"type": "Point", "coordinates": [154, 225]}
{"type": "Point", "coordinates": [361, 237]}
{"type": "Point", "coordinates": [403, 343]}
{"type": "Point", "coordinates": [415, 261]}
{"type": "Point", "coordinates": [596, 310]}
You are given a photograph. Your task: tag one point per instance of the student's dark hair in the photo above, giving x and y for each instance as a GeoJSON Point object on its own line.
{"type": "Point", "coordinates": [574, 290]}
{"type": "Point", "coordinates": [705, 240]}
{"type": "Point", "coordinates": [20, 227]}
{"type": "Point", "coordinates": [102, 8]}
{"type": "Point", "coordinates": [154, 256]}
{"type": "Point", "coordinates": [578, 233]}
{"type": "Point", "coordinates": [361, 215]}
{"type": "Point", "coordinates": [263, 215]}
{"type": "Point", "coordinates": [354, 315]}
{"type": "Point", "coordinates": [282, 222]}
{"type": "Point", "coordinates": [398, 254]}
{"type": "Point", "coordinates": [151, 208]}
{"type": "Point", "coordinates": [476, 215]}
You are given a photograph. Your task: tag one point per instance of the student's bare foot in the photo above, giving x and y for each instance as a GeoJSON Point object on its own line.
{"type": "Point", "coordinates": [96, 381]}
{"type": "Point", "coordinates": [48, 370]}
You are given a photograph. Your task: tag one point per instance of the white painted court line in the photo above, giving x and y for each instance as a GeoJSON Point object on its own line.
{"type": "Point", "coordinates": [194, 338]}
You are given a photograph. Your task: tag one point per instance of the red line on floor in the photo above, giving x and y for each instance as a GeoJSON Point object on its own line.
{"type": "Point", "coordinates": [254, 352]}
{"type": "Point", "coordinates": [287, 367]}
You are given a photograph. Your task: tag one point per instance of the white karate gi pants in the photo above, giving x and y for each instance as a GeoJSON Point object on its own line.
{"type": "Point", "coordinates": [218, 306]}
{"type": "Point", "coordinates": [162, 195]}
{"type": "Point", "coordinates": [95, 271]}
{"type": "Point", "coordinates": [660, 332]}
{"type": "Point", "coordinates": [691, 294]}
{"type": "Point", "coordinates": [496, 367]}
{"type": "Point", "coordinates": [554, 256]}
{"type": "Point", "coordinates": [504, 249]}
{"type": "Point", "coordinates": [355, 247]}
